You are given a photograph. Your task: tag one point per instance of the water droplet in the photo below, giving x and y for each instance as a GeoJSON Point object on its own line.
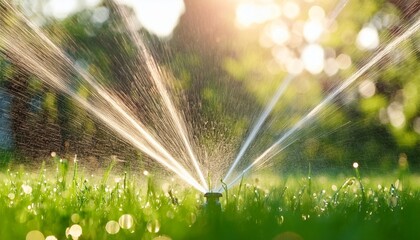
{"type": "Point", "coordinates": [75, 218]}
{"type": "Point", "coordinates": [112, 227]}
{"type": "Point", "coordinates": [35, 235]}
{"type": "Point", "coordinates": [355, 165]}
{"type": "Point", "coordinates": [162, 238]}
{"type": "Point", "coordinates": [26, 189]}
{"type": "Point", "coordinates": [75, 231]}
{"type": "Point", "coordinates": [51, 238]}
{"type": "Point", "coordinates": [11, 196]}
{"type": "Point", "coordinates": [170, 214]}
{"type": "Point", "coordinates": [393, 201]}
{"type": "Point", "coordinates": [280, 220]}
{"type": "Point", "coordinates": [126, 221]}
{"type": "Point", "coordinates": [193, 218]}
{"type": "Point", "coordinates": [153, 226]}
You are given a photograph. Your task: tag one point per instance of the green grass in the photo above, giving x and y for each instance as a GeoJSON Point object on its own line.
{"type": "Point", "coordinates": [50, 201]}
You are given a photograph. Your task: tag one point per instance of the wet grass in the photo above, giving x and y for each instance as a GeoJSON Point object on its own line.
{"type": "Point", "coordinates": [65, 203]}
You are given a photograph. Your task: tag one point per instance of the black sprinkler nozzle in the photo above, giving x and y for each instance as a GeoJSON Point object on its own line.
{"type": "Point", "coordinates": [212, 205]}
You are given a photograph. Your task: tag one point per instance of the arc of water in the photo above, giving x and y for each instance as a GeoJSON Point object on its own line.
{"type": "Point", "coordinates": [245, 171]}
{"type": "Point", "coordinates": [257, 126]}
{"type": "Point", "coordinates": [157, 79]}
{"type": "Point", "coordinates": [173, 165]}
{"type": "Point", "coordinates": [375, 59]}
{"type": "Point", "coordinates": [115, 125]}
{"type": "Point", "coordinates": [336, 11]}
{"type": "Point", "coordinates": [269, 108]}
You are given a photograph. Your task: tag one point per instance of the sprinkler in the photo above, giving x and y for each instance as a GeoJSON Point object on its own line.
{"type": "Point", "coordinates": [212, 205]}
{"type": "Point", "coordinates": [212, 209]}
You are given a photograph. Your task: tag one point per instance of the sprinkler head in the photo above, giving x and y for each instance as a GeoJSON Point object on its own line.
{"type": "Point", "coordinates": [212, 204]}
{"type": "Point", "coordinates": [213, 197]}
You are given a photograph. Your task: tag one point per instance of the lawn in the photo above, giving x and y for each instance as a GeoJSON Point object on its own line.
{"type": "Point", "coordinates": [68, 203]}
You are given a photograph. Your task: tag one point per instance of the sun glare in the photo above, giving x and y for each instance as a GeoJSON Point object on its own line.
{"type": "Point", "coordinates": [312, 30]}
{"type": "Point", "coordinates": [61, 9]}
{"type": "Point", "coordinates": [313, 58]}
{"type": "Point", "coordinates": [249, 13]}
{"type": "Point", "coordinates": [294, 41]}
{"type": "Point", "coordinates": [291, 9]}
{"type": "Point", "coordinates": [279, 32]}
{"type": "Point", "coordinates": [158, 16]}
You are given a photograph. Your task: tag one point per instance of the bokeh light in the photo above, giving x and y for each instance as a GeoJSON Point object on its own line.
{"type": "Point", "coordinates": [51, 238]}
{"type": "Point", "coordinates": [279, 32]}
{"type": "Point", "coordinates": [75, 231]}
{"type": "Point", "coordinates": [368, 38]}
{"type": "Point", "coordinates": [343, 61]}
{"type": "Point", "coordinates": [158, 16]}
{"type": "Point", "coordinates": [312, 30]}
{"type": "Point", "coordinates": [153, 226]}
{"type": "Point", "coordinates": [35, 235]}
{"type": "Point", "coordinates": [395, 114]}
{"type": "Point", "coordinates": [313, 58]}
{"type": "Point", "coordinates": [331, 66]}
{"type": "Point", "coordinates": [416, 125]}
{"type": "Point", "coordinates": [126, 221]}
{"type": "Point", "coordinates": [112, 227]}
{"type": "Point", "coordinates": [367, 88]}
{"type": "Point", "coordinates": [291, 9]}
{"type": "Point", "coordinates": [249, 13]}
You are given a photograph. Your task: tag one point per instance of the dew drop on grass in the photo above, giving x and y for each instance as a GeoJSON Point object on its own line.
{"type": "Point", "coordinates": [393, 201]}
{"type": "Point", "coordinates": [280, 220]}
{"type": "Point", "coordinates": [75, 218]}
{"type": "Point", "coordinates": [192, 218]}
{"type": "Point", "coordinates": [170, 214]}
{"type": "Point", "coordinates": [26, 189]}
{"type": "Point", "coordinates": [153, 226]}
{"type": "Point", "coordinates": [11, 196]}
{"type": "Point", "coordinates": [126, 221]}
{"type": "Point", "coordinates": [112, 227]}
{"type": "Point", "coordinates": [35, 235]}
{"type": "Point", "coordinates": [75, 231]}
{"type": "Point", "coordinates": [355, 165]}
{"type": "Point", "coordinates": [162, 238]}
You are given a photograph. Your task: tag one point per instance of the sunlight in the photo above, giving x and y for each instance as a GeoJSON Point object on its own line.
{"type": "Point", "coordinates": [291, 9]}
{"type": "Point", "coordinates": [249, 13]}
{"type": "Point", "coordinates": [279, 32]}
{"type": "Point", "coordinates": [312, 30]}
{"type": "Point", "coordinates": [313, 58]}
{"type": "Point", "coordinates": [316, 13]}
{"type": "Point", "coordinates": [159, 16]}
{"type": "Point", "coordinates": [61, 9]}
